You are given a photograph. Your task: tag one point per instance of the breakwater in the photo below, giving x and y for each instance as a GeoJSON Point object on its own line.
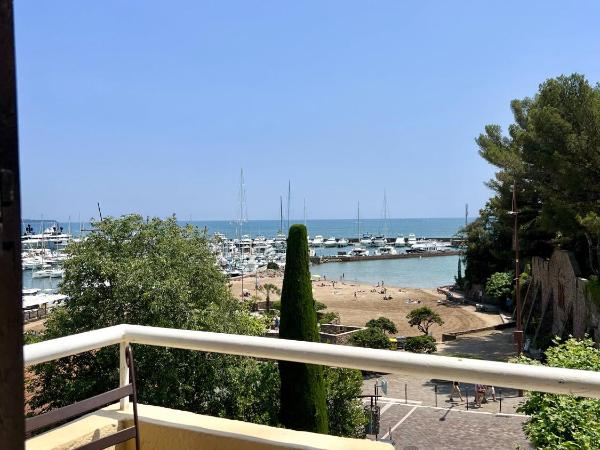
{"type": "Point", "coordinates": [346, 258]}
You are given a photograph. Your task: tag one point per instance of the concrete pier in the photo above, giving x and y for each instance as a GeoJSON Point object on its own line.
{"type": "Point", "coordinates": [345, 258]}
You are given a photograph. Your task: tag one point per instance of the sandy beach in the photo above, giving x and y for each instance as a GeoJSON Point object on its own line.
{"type": "Point", "coordinates": [369, 303]}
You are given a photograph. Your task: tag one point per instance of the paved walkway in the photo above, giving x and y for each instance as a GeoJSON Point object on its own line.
{"type": "Point", "coordinates": [421, 416]}
{"type": "Point", "coordinates": [417, 427]}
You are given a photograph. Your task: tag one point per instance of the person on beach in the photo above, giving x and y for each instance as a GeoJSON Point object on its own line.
{"type": "Point", "coordinates": [455, 390]}
{"type": "Point", "coordinates": [492, 391]}
{"type": "Point", "coordinates": [354, 295]}
{"type": "Point", "coordinates": [479, 394]}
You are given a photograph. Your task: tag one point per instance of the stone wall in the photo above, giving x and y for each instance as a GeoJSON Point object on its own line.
{"type": "Point", "coordinates": [337, 334]}
{"type": "Point", "coordinates": [562, 302]}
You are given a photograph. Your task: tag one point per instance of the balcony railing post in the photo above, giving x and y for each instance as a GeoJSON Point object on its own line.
{"type": "Point", "coordinates": [123, 374]}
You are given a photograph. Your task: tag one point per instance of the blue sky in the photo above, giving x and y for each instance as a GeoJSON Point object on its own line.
{"type": "Point", "coordinates": [154, 107]}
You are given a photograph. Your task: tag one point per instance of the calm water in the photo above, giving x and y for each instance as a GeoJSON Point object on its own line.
{"type": "Point", "coordinates": [440, 227]}
{"type": "Point", "coordinates": [411, 272]}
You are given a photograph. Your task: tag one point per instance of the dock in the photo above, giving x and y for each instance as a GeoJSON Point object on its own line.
{"type": "Point", "coordinates": [345, 258]}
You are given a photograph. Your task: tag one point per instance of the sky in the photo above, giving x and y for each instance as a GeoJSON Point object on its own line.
{"type": "Point", "coordinates": [154, 107]}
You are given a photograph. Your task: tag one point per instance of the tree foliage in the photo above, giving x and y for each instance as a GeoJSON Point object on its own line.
{"type": "Point", "coordinates": [499, 285]}
{"type": "Point", "coordinates": [344, 409]}
{"type": "Point", "coordinates": [370, 338]}
{"type": "Point", "coordinates": [420, 344]}
{"type": "Point", "coordinates": [552, 154]}
{"type": "Point", "coordinates": [159, 274]}
{"type": "Point", "coordinates": [423, 318]}
{"type": "Point", "coordinates": [383, 323]}
{"type": "Point", "coordinates": [564, 421]}
{"type": "Point", "coordinates": [303, 404]}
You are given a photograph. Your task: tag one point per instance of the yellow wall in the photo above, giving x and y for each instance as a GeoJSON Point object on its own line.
{"type": "Point", "coordinates": [163, 428]}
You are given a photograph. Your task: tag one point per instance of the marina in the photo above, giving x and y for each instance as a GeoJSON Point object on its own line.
{"type": "Point", "coordinates": [401, 260]}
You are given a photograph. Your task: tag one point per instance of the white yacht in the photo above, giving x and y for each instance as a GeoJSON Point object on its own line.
{"type": "Point", "coordinates": [318, 241]}
{"type": "Point", "coordinates": [358, 251]}
{"type": "Point", "coordinates": [343, 242]}
{"type": "Point", "coordinates": [366, 239]}
{"type": "Point", "coordinates": [280, 240]}
{"type": "Point", "coordinates": [424, 246]}
{"type": "Point", "coordinates": [400, 242]}
{"type": "Point", "coordinates": [331, 242]}
{"type": "Point", "coordinates": [48, 272]}
{"type": "Point", "coordinates": [387, 250]}
{"type": "Point", "coordinates": [412, 239]}
{"type": "Point", "coordinates": [379, 241]}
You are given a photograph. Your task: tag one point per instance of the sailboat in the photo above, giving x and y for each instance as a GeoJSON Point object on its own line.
{"type": "Point", "coordinates": [358, 249]}
{"type": "Point", "coordinates": [280, 240]}
{"type": "Point", "coordinates": [380, 240]}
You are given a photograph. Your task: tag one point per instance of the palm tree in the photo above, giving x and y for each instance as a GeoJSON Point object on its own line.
{"type": "Point", "coordinates": [268, 288]}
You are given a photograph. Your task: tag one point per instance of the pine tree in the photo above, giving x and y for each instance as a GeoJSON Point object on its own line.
{"type": "Point", "coordinates": [303, 405]}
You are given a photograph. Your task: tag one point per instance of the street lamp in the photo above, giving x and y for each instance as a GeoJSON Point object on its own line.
{"type": "Point", "coordinates": [518, 334]}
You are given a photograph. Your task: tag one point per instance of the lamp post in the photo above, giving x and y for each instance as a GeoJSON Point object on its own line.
{"type": "Point", "coordinates": [518, 334]}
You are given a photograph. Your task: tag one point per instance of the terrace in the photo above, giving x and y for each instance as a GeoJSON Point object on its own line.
{"type": "Point", "coordinates": [166, 428]}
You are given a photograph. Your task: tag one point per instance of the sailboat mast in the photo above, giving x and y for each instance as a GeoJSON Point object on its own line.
{"type": "Point", "coordinates": [385, 221]}
{"type": "Point", "coordinates": [280, 214]}
{"type": "Point", "coordinates": [358, 220]}
{"type": "Point", "coordinates": [304, 212]}
{"type": "Point", "coordinates": [241, 200]}
{"type": "Point", "coordinates": [240, 229]}
{"type": "Point", "coordinates": [288, 203]}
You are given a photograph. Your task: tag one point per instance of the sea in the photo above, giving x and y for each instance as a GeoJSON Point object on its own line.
{"type": "Point", "coordinates": [412, 272]}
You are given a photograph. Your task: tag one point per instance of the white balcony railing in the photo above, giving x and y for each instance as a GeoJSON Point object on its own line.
{"type": "Point", "coordinates": [518, 376]}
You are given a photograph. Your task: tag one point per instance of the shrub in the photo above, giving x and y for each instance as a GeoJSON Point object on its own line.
{"type": "Point", "coordinates": [370, 338]}
{"type": "Point", "coordinates": [329, 317]}
{"type": "Point", "coordinates": [320, 306]}
{"type": "Point", "coordinates": [564, 421]}
{"type": "Point", "coordinates": [420, 344]}
{"type": "Point", "coordinates": [272, 266]}
{"type": "Point", "coordinates": [499, 285]}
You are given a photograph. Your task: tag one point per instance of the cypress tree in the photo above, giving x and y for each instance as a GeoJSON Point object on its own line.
{"type": "Point", "coordinates": [303, 405]}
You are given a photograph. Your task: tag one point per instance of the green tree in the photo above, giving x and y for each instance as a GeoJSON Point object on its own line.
{"type": "Point", "coordinates": [499, 285]}
{"type": "Point", "coordinates": [370, 338]}
{"type": "Point", "coordinates": [383, 323]}
{"type": "Point", "coordinates": [345, 410]}
{"type": "Point", "coordinates": [153, 273]}
{"type": "Point", "coordinates": [564, 421]}
{"type": "Point", "coordinates": [303, 404]}
{"type": "Point", "coordinates": [423, 318]}
{"type": "Point", "coordinates": [420, 344]}
{"type": "Point", "coordinates": [268, 288]}
{"type": "Point", "coordinates": [550, 152]}
{"type": "Point", "coordinates": [591, 228]}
